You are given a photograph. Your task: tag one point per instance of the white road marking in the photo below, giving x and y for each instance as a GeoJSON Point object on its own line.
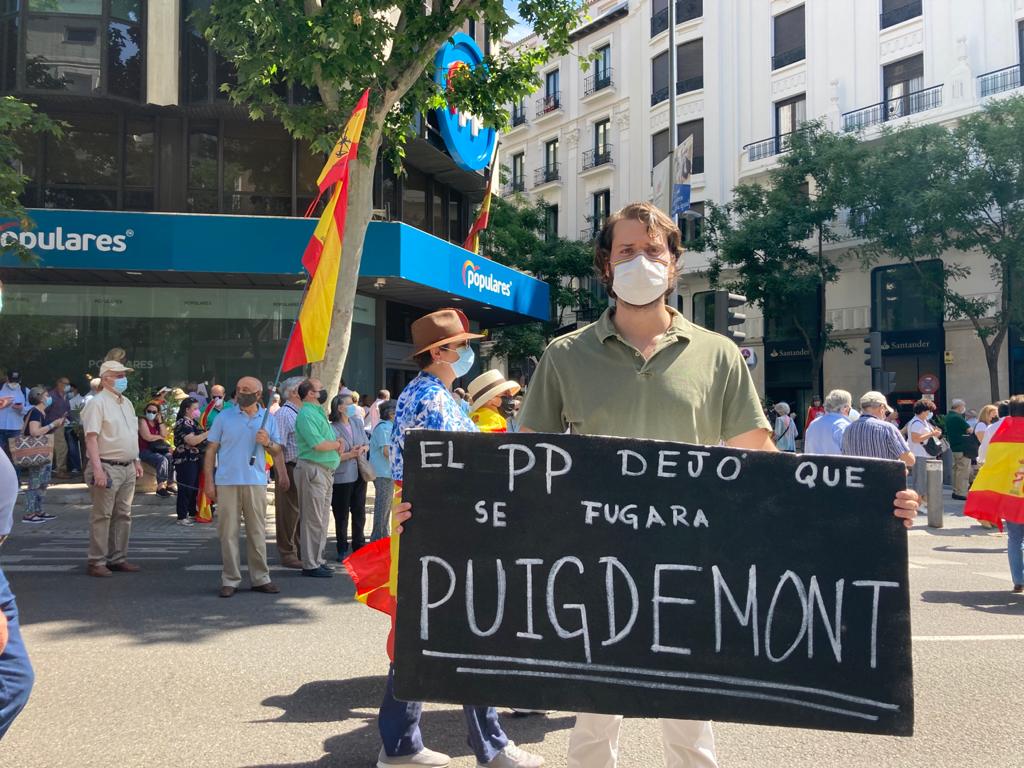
{"type": "Point", "coordinates": [922, 560]}
{"type": "Point", "coordinates": [1000, 575]}
{"type": "Point", "coordinates": [39, 568]}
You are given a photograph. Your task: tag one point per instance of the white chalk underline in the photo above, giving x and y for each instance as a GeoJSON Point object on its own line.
{"type": "Point", "coordinates": [965, 638]}
{"type": "Point", "coordinates": [725, 679]}
{"type": "Point", "coordinates": [666, 687]}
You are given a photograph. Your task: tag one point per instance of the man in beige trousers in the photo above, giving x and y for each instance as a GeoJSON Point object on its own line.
{"type": "Point", "coordinates": [112, 443]}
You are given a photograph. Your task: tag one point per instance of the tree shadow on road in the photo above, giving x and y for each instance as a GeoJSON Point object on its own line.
{"type": "Point", "coordinates": [1002, 602]}
{"type": "Point", "coordinates": [355, 702]}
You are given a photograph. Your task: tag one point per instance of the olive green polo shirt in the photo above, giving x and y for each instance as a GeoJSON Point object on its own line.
{"type": "Point", "coordinates": [695, 388]}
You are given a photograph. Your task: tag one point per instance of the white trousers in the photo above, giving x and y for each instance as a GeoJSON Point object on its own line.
{"type": "Point", "coordinates": [594, 742]}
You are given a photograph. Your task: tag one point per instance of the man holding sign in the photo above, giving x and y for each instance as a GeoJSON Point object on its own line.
{"type": "Point", "coordinates": [683, 383]}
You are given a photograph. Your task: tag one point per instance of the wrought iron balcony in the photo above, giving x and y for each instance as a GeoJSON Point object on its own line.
{"type": "Point", "coordinates": [898, 15]}
{"type": "Point", "coordinates": [793, 55]}
{"type": "Point", "coordinates": [659, 22]}
{"type": "Point", "coordinates": [901, 106]}
{"type": "Point", "coordinates": [516, 185]}
{"type": "Point", "coordinates": [659, 96]}
{"type": "Point", "coordinates": [518, 117]}
{"type": "Point", "coordinates": [690, 84]}
{"type": "Point", "coordinates": [589, 233]}
{"type": "Point", "coordinates": [597, 81]}
{"type": "Point", "coordinates": [1000, 80]}
{"type": "Point", "coordinates": [549, 103]}
{"type": "Point", "coordinates": [546, 174]}
{"type": "Point", "coordinates": [593, 158]}
{"type": "Point", "coordinates": [773, 145]}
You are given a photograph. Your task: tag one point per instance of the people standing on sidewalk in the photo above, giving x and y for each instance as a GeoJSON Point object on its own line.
{"type": "Point", "coordinates": [488, 391]}
{"type": "Point", "coordinates": [13, 406]}
{"type": "Point", "coordinates": [380, 460]}
{"type": "Point", "coordinates": [112, 445]}
{"type": "Point", "coordinates": [216, 406]}
{"type": "Point", "coordinates": [919, 430]}
{"type": "Point", "coordinates": [784, 432]}
{"type": "Point", "coordinates": [38, 478]}
{"type": "Point", "coordinates": [188, 440]}
{"type": "Point", "coordinates": [153, 446]}
{"type": "Point", "coordinates": [824, 434]}
{"type": "Point", "coordinates": [16, 675]}
{"type": "Point", "coordinates": [957, 433]}
{"type": "Point", "coordinates": [648, 360]}
{"type": "Point", "coordinates": [814, 410]}
{"type": "Point", "coordinates": [348, 496]}
{"type": "Point", "coordinates": [59, 409]}
{"type": "Point", "coordinates": [239, 485]}
{"type": "Point", "coordinates": [287, 518]}
{"type": "Point", "coordinates": [873, 436]}
{"type": "Point", "coordinates": [318, 456]}
{"type": "Point", "coordinates": [373, 415]}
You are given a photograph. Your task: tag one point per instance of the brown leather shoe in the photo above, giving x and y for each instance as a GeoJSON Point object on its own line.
{"type": "Point", "coordinates": [124, 567]}
{"type": "Point", "coordinates": [98, 569]}
{"type": "Point", "coordinates": [269, 588]}
{"type": "Point", "coordinates": [227, 591]}
{"type": "Point", "coordinates": [291, 563]}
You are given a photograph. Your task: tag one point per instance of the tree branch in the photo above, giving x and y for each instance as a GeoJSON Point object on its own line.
{"type": "Point", "coordinates": [328, 94]}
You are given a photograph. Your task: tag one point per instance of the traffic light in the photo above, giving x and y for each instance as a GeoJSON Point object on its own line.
{"type": "Point", "coordinates": [873, 350]}
{"type": "Point", "coordinates": [726, 315]}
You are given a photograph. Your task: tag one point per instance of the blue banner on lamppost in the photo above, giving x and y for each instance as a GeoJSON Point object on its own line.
{"type": "Point", "coordinates": [683, 164]}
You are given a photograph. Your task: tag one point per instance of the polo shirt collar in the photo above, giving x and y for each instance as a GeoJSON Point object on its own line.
{"type": "Point", "coordinates": [681, 328]}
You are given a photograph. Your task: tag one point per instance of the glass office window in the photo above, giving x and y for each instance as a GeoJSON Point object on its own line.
{"type": "Point", "coordinates": [904, 300]}
{"type": "Point", "coordinates": [124, 60]}
{"type": "Point", "coordinates": [257, 169]}
{"type": "Point", "coordinates": [63, 54]}
{"type": "Point", "coordinates": [77, 7]}
{"type": "Point", "coordinates": [202, 167]}
{"type": "Point", "coordinates": [456, 229]}
{"type": "Point", "coordinates": [414, 198]}
{"type": "Point", "coordinates": [87, 155]}
{"type": "Point", "coordinates": [439, 212]}
{"type": "Point", "coordinates": [8, 52]}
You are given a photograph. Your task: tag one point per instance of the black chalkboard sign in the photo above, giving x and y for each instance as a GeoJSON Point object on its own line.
{"type": "Point", "coordinates": [649, 579]}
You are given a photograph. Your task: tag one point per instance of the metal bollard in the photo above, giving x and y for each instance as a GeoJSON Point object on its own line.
{"type": "Point", "coordinates": [933, 482]}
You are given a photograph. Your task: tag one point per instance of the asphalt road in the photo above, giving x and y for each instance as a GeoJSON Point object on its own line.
{"type": "Point", "coordinates": [153, 669]}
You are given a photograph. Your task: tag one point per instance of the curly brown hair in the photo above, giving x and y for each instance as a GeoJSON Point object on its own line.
{"type": "Point", "coordinates": [657, 224]}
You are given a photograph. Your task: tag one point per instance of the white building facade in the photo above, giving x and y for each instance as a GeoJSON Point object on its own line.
{"type": "Point", "coordinates": [748, 73]}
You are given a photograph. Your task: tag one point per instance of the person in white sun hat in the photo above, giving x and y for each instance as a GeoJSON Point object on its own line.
{"type": "Point", "coordinates": [488, 391]}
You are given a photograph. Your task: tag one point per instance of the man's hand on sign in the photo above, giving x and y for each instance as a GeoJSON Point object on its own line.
{"type": "Point", "coordinates": [402, 513]}
{"type": "Point", "coordinates": [906, 505]}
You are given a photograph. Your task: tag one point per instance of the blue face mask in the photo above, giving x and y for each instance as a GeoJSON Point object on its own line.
{"type": "Point", "coordinates": [49, 401]}
{"type": "Point", "coordinates": [350, 410]}
{"type": "Point", "coordinates": [464, 363]}
{"type": "Point", "coordinates": [120, 385]}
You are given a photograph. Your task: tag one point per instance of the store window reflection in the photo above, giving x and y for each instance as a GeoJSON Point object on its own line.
{"type": "Point", "coordinates": [257, 169]}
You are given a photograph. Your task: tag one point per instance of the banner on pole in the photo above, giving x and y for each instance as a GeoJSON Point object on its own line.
{"type": "Point", "coordinates": [683, 161]}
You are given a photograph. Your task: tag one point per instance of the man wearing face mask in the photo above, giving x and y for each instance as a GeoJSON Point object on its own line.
{"type": "Point", "coordinates": [216, 406]}
{"type": "Point", "coordinates": [441, 340]}
{"type": "Point", "coordinates": [318, 456]}
{"type": "Point", "coordinates": [644, 371]}
{"type": "Point", "coordinates": [112, 445]}
{"type": "Point", "coordinates": [59, 409]}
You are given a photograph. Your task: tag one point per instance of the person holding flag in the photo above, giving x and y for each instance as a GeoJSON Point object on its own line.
{"type": "Point", "coordinates": [489, 392]}
{"type": "Point", "coordinates": [998, 491]}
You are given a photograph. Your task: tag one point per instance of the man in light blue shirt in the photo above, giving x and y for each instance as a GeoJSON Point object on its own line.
{"type": "Point", "coordinates": [13, 406]}
{"type": "Point", "coordinates": [824, 435]}
{"type": "Point", "coordinates": [239, 487]}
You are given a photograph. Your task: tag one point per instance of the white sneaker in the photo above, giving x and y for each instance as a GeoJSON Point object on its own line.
{"type": "Point", "coordinates": [513, 757]}
{"type": "Point", "coordinates": [425, 758]}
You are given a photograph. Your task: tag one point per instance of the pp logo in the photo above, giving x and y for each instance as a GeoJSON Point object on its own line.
{"type": "Point", "coordinates": [470, 144]}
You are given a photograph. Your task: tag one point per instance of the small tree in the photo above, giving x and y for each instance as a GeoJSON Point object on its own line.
{"type": "Point", "coordinates": [925, 191]}
{"type": "Point", "coordinates": [17, 119]}
{"type": "Point", "coordinates": [772, 236]}
{"type": "Point", "coordinates": [516, 236]}
{"type": "Point", "coordinates": [342, 47]}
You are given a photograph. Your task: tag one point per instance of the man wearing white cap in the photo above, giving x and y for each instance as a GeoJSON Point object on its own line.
{"type": "Point", "coordinates": [488, 391]}
{"type": "Point", "coordinates": [112, 443]}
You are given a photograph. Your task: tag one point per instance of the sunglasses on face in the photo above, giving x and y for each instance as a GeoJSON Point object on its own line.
{"type": "Point", "coordinates": [153, 412]}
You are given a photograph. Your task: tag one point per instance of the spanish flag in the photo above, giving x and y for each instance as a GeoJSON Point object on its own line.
{"type": "Point", "coordinates": [322, 259]}
{"type": "Point", "coordinates": [998, 491]}
{"type": "Point", "coordinates": [480, 224]}
{"type": "Point", "coordinates": [204, 507]}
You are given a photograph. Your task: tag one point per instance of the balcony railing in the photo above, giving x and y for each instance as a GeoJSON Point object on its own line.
{"type": "Point", "coordinates": [597, 81]}
{"type": "Point", "coordinates": [687, 10]}
{"type": "Point", "coordinates": [659, 96]}
{"type": "Point", "coordinates": [590, 232]}
{"type": "Point", "coordinates": [516, 185]}
{"type": "Point", "coordinates": [659, 22]}
{"type": "Point", "coordinates": [898, 15]}
{"type": "Point", "coordinates": [593, 158]}
{"type": "Point", "coordinates": [793, 55]}
{"type": "Point", "coordinates": [546, 174]}
{"type": "Point", "coordinates": [690, 84]}
{"type": "Point", "coordinates": [518, 117]}
{"type": "Point", "coordinates": [773, 145]}
{"type": "Point", "coordinates": [549, 103]}
{"type": "Point", "coordinates": [1000, 80]}
{"type": "Point", "coordinates": [911, 104]}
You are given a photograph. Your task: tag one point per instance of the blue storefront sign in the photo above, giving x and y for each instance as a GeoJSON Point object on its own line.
{"type": "Point", "coordinates": [147, 242]}
{"type": "Point", "coordinates": [469, 143]}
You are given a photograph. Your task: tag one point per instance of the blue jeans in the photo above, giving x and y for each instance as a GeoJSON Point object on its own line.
{"type": "Point", "coordinates": [74, 450]}
{"type": "Point", "coordinates": [38, 479]}
{"type": "Point", "coordinates": [161, 462]}
{"type": "Point", "coordinates": [16, 675]}
{"type": "Point", "coordinates": [399, 724]}
{"type": "Point", "coordinates": [1015, 550]}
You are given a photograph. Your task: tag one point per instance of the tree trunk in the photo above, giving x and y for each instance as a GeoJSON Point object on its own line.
{"type": "Point", "coordinates": [992, 360]}
{"type": "Point", "coordinates": [360, 208]}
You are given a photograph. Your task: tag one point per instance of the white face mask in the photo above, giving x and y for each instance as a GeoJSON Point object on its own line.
{"type": "Point", "coordinates": [640, 281]}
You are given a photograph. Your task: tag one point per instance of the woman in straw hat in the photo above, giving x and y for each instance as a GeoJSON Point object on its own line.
{"type": "Point", "coordinates": [488, 392]}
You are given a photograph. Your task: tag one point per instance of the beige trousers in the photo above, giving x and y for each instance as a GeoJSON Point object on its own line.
{"type": "Point", "coordinates": [286, 519]}
{"type": "Point", "coordinates": [110, 522]}
{"type": "Point", "coordinates": [315, 483]}
{"type": "Point", "coordinates": [594, 742]}
{"type": "Point", "coordinates": [60, 451]}
{"type": "Point", "coordinates": [961, 474]}
{"type": "Point", "coordinates": [235, 503]}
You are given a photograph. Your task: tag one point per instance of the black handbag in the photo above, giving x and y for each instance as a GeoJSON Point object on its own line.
{"type": "Point", "coordinates": [971, 446]}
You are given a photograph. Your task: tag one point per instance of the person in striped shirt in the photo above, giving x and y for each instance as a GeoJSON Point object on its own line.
{"type": "Point", "coordinates": [872, 436]}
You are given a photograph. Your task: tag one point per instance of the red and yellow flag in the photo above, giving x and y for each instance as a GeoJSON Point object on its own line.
{"type": "Point", "coordinates": [204, 507]}
{"type": "Point", "coordinates": [480, 224]}
{"type": "Point", "coordinates": [998, 492]}
{"type": "Point", "coordinates": [322, 258]}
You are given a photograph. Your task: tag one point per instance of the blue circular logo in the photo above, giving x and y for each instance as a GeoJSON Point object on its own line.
{"type": "Point", "coordinates": [470, 144]}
